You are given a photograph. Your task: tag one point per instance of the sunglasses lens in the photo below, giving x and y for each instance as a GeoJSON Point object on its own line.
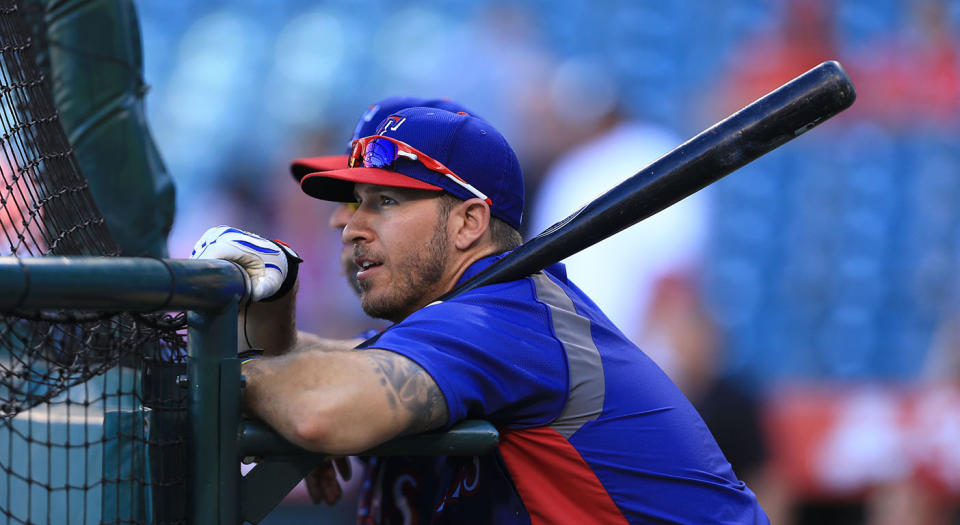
{"type": "Point", "coordinates": [380, 154]}
{"type": "Point", "coordinates": [355, 155]}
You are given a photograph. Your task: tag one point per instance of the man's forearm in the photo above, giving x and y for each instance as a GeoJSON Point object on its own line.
{"type": "Point", "coordinates": [321, 401]}
{"type": "Point", "coordinates": [271, 326]}
{"type": "Point", "coordinates": [307, 341]}
{"type": "Point", "coordinates": [342, 402]}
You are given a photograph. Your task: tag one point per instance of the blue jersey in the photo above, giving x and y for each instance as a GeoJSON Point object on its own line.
{"type": "Point", "coordinates": [592, 431]}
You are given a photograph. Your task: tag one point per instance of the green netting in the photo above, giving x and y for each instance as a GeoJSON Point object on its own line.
{"type": "Point", "coordinates": [91, 422]}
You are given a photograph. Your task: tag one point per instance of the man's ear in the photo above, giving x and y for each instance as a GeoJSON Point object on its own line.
{"type": "Point", "coordinates": [473, 223]}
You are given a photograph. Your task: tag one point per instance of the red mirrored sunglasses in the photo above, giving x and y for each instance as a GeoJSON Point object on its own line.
{"type": "Point", "coordinates": [377, 151]}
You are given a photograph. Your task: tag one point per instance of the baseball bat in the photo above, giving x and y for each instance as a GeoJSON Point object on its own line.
{"type": "Point", "coordinates": [771, 121]}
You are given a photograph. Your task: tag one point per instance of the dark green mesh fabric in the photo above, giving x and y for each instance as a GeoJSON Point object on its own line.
{"type": "Point", "coordinates": [91, 422]}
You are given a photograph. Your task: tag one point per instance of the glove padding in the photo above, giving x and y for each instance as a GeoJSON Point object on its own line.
{"type": "Point", "coordinates": [271, 265]}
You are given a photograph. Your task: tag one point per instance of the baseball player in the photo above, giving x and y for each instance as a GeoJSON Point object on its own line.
{"type": "Point", "coordinates": [398, 489]}
{"type": "Point", "coordinates": [591, 430]}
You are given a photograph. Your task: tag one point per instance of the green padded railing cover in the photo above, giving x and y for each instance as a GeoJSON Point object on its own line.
{"type": "Point", "coordinates": [96, 67]}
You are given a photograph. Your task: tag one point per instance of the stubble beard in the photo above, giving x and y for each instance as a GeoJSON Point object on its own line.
{"type": "Point", "coordinates": [414, 279]}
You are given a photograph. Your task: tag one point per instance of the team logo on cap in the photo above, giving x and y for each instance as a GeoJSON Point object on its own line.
{"type": "Point", "coordinates": [391, 123]}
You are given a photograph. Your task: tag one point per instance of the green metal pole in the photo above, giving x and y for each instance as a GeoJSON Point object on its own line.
{"type": "Point", "coordinates": [118, 284]}
{"type": "Point", "coordinates": [467, 438]}
{"type": "Point", "coordinates": [214, 375]}
{"type": "Point", "coordinates": [229, 422]}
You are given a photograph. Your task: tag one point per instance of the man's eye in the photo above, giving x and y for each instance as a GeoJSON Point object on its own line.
{"type": "Point", "coordinates": [386, 201]}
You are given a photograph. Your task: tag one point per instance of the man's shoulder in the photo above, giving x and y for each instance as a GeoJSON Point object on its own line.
{"type": "Point", "coordinates": [493, 301]}
{"type": "Point", "coordinates": [518, 294]}
{"type": "Point", "coordinates": [511, 310]}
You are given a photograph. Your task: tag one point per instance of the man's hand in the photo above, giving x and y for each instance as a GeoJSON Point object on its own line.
{"type": "Point", "coordinates": [322, 483]}
{"type": "Point", "coordinates": [271, 265]}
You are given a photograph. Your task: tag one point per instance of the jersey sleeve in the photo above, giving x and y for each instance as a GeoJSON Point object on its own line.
{"type": "Point", "coordinates": [493, 357]}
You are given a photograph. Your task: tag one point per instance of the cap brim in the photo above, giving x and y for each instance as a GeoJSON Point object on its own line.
{"type": "Point", "coordinates": [337, 185]}
{"type": "Point", "coordinates": [300, 168]}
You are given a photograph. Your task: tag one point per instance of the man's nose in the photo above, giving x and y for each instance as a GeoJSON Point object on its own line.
{"type": "Point", "coordinates": [357, 227]}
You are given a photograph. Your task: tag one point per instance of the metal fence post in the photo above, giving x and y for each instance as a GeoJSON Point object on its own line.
{"type": "Point", "coordinates": [214, 375]}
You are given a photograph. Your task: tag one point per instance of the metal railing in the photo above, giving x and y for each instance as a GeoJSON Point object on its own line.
{"type": "Point", "coordinates": [210, 291]}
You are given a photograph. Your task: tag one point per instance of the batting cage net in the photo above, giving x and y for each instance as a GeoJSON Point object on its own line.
{"type": "Point", "coordinates": [90, 418]}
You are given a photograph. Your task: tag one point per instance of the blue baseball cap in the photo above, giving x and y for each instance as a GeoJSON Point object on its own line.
{"type": "Point", "coordinates": [479, 157]}
{"type": "Point", "coordinates": [367, 125]}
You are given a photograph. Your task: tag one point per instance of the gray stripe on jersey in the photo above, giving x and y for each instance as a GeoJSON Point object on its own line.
{"type": "Point", "coordinates": [587, 388]}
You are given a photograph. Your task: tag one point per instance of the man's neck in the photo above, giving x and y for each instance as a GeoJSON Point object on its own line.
{"type": "Point", "coordinates": [466, 262]}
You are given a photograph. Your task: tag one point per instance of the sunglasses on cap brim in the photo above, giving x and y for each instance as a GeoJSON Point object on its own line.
{"type": "Point", "coordinates": [377, 151]}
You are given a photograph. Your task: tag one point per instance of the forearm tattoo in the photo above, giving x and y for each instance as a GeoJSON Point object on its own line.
{"type": "Point", "coordinates": [408, 387]}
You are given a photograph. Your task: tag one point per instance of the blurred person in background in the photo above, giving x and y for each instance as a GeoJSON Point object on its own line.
{"type": "Point", "coordinates": [619, 273]}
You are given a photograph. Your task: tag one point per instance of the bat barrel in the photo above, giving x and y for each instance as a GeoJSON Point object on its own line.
{"type": "Point", "coordinates": [762, 126]}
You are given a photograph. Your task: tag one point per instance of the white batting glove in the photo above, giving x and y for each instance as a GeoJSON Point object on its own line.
{"type": "Point", "coordinates": [271, 265]}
